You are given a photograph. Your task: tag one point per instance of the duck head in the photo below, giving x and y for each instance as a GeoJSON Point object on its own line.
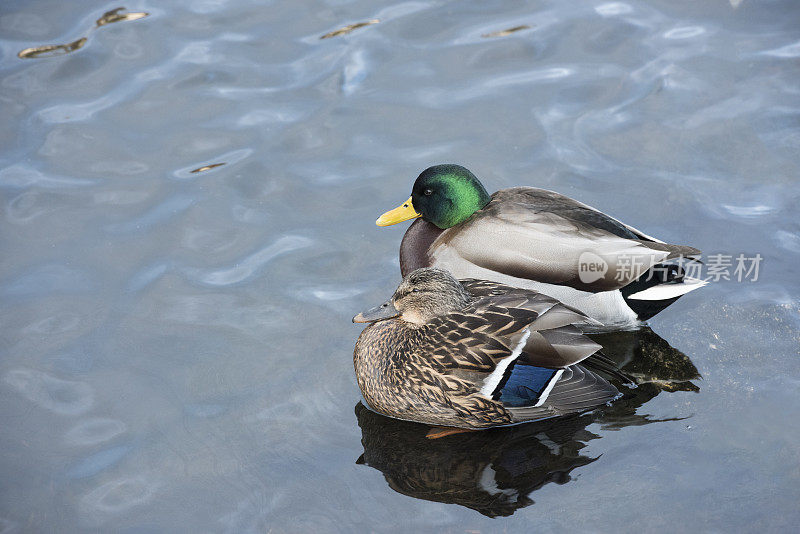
{"type": "Point", "coordinates": [422, 296]}
{"type": "Point", "coordinates": [444, 195]}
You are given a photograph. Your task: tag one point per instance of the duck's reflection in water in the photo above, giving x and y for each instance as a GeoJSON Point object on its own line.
{"type": "Point", "coordinates": [653, 364]}
{"type": "Point", "coordinates": [491, 471]}
{"type": "Point", "coordinates": [495, 471]}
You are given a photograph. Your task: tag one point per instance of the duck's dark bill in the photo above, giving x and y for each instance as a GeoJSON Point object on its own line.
{"type": "Point", "coordinates": [384, 311]}
{"type": "Point", "coordinates": [403, 212]}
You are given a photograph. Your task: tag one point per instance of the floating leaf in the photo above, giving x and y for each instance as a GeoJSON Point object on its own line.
{"type": "Point", "coordinates": [509, 31]}
{"type": "Point", "coordinates": [51, 50]}
{"type": "Point", "coordinates": [115, 16]}
{"type": "Point", "coordinates": [56, 50]}
{"type": "Point", "coordinates": [207, 168]}
{"type": "Point", "coordinates": [350, 27]}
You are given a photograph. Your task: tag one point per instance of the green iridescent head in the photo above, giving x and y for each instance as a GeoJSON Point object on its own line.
{"type": "Point", "coordinates": [447, 195]}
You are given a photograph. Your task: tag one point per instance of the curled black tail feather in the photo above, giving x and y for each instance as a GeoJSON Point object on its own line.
{"type": "Point", "coordinates": [663, 273]}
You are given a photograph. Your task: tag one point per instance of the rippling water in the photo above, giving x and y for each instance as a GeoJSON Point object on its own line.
{"type": "Point", "coordinates": [188, 201]}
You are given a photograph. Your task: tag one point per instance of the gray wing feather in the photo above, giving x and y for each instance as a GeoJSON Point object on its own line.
{"type": "Point", "coordinates": [540, 235]}
{"type": "Point", "coordinates": [576, 391]}
{"type": "Point", "coordinates": [492, 326]}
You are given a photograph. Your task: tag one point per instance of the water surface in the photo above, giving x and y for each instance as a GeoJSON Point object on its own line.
{"type": "Point", "coordinates": [187, 205]}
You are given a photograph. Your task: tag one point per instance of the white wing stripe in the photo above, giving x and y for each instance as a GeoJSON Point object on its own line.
{"type": "Point", "coordinates": [491, 381]}
{"type": "Point", "coordinates": [549, 388]}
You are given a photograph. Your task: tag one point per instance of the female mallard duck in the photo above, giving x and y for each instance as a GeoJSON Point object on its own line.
{"type": "Point", "coordinates": [541, 240]}
{"type": "Point", "coordinates": [474, 354]}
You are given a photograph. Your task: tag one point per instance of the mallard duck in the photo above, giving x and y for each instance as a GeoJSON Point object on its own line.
{"type": "Point", "coordinates": [474, 354]}
{"type": "Point", "coordinates": [542, 240]}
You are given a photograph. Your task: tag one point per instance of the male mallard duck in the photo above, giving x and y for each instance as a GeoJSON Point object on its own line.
{"type": "Point", "coordinates": [541, 240]}
{"type": "Point", "coordinates": [474, 354]}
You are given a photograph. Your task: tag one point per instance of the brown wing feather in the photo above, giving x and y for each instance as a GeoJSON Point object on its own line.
{"type": "Point", "coordinates": [494, 323]}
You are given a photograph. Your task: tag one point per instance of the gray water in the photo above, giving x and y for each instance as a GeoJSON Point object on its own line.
{"type": "Point", "coordinates": [175, 346]}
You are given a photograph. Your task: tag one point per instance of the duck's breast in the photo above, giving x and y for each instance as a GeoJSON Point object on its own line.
{"type": "Point", "coordinates": [414, 249]}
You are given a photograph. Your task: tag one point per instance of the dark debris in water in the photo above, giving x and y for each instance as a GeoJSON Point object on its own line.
{"type": "Point", "coordinates": [51, 50]}
{"type": "Point", "coordinates": [115, 16]}
{"type": "Point", "coordinates": [507, 31]}
{"type": "Point", "coordinates": [205, 168]}
{"type": "Point", "coordinates": [350, 27]}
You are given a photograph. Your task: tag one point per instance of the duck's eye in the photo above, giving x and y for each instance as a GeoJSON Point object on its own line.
{"type": "Point", "coordinates": [415, 290]}
{"type": "Point", "coordinates": [428, 192]}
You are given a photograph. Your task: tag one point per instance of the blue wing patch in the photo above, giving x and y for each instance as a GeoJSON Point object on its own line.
{"type": "Point", "coordinates": [523, 385]}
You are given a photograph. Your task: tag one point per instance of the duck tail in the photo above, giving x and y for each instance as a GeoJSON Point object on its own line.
{"type": "Point", "coordinates": [657, 288]}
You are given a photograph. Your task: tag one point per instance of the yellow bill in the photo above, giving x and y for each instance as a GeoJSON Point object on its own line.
{"type": "Point", "coordinates": [403, 212]}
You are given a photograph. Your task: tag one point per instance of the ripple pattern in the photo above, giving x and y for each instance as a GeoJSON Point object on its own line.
{"type": "Point", "coordinates": [188, 190]}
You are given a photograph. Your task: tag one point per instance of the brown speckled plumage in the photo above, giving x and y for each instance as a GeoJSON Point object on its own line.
{"type": "Point", "coordinates": [403, 373]}
{"type": "Point", "coordinates": [433, 372]}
